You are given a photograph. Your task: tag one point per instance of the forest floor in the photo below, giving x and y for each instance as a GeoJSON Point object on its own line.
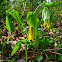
{"type": "Point", "coordinates": [17, 36]}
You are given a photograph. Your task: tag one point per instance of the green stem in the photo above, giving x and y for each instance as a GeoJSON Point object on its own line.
{"type": "Point", "coordinates": [38, 51]}
{"type": "Point", "coordinates": [37, 7]}
{"type": "Point", "coordinates": [26, 52]}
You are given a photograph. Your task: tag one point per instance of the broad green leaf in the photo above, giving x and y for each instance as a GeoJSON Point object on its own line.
{"type": "Point", "coordinates": [9, 25]}
{"type": "Point", "coordinates": [47, 18]}
{"type": "Point", "coordinates": [49, 4]}
{"type": "Point", "coordinates": [33, 21]}
{"type": "Point", "coordinates": [39, 58]}
{"type": "Point", "coordinates": [16, 16]}
{"type": "Point", "coordinates": [17, 46]}
{"type": "Point", "coordinates": [45, 14]}
{"type": "Point", "coordinates": [61, 46]}
{"type": "Point", "coordinates": [37, 42]}
{"type": "Point", "coordinates": [52, 4]}
{"type": "Point", "coordinates": [60, 58]}
{"type": "Point", "coordinates": [35, 29]}
{"type": "Point", "coordinates": [51, 41]}
{"type": "Point", "coordinates": [24, 41]}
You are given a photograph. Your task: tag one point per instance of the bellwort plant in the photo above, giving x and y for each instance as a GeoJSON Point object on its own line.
{"type": "Point", "coordinates": [33, 22]}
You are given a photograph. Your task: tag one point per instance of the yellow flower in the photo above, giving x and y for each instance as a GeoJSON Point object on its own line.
{"type": "Point", "coordinates": [30, 37]}
{"type": "Point", "coordinates": [47, 25]}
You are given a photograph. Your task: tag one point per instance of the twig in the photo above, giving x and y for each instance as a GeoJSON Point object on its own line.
{"type": "Point", "coordinates": [24, 9]}
{"type": "Point", "coordinates": [52, 52]}
{"type": "Point", "coordinates": [38, 7]}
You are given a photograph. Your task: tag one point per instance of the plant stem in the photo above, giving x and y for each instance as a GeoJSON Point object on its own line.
{"type": "Point", "coordinates": [26, 52]}
{"type": "Point", "coordinates": [37, 7]}
{"type": "Point", "coordinates": [38, 51]}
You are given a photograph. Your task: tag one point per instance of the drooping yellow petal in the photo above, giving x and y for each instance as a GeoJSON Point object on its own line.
{"type": "Point", "coordinates": [30, 37]}
{"type": "Point", "coordinates": [47, 25]}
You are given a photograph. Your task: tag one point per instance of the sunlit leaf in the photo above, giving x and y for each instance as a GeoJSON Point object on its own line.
{"type": "Point", "coordinates": [17, 46]}
{"type": "Point", "coordinates": [16, 16]}
{"type": "Point", "coordinates": [51, 41]}
{"type": "Point", "coordinates": [45, 14]}
{"type": "Point", "coordinates": [33, 21]}
{"type": "Point", "coordinates": [39, 58]}
{"type": "Point", "coordinates": [24, 41]}
{"type": "Point", "coordinates": [9, 25]}
{"type": "Point", "coordinates": [52, 4]}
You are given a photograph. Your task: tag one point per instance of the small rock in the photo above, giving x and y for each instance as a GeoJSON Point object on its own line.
{"type": "Point", "coordinates": [21, 60]}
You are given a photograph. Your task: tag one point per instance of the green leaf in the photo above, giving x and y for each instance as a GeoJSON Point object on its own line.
{"type": "Point", "coordinates": [60, 50]}
{"type": "Point", "coordinates": [0, 27]}
{"type": "Point", "coordinates": [52, 4]}
{"type": "Point", "coordinates": [35, 28]}
{"type": "Point", "coordinates": [39, 58]}
{"type": "Point", "coordinates": [60, 59]}
{"type": "Point", "coordinates": [45, 14]}
{"type": "Point", "coordinates": [33, 21]}
{"type": "Point", "coordinates": [51, 41]}
{"type": "Point", "coordinates": [51, 19]}
{"type": "Point", "coordinates": [17, 46]}
{"type": "Point", "coordinates": [49, 4]}
{"type": "Point", "coordinates": [0, 36]}
{"type": "Point", "coordinates": [16, 16]}
{"type": "Point", "coordinates": [24, 41]}
{"type": "Point", "coordinates": [37, 42]}
{"type": "Point", "coordinates": [9, 25]}
{"type": "Point", "coordinates": [61, 46]}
